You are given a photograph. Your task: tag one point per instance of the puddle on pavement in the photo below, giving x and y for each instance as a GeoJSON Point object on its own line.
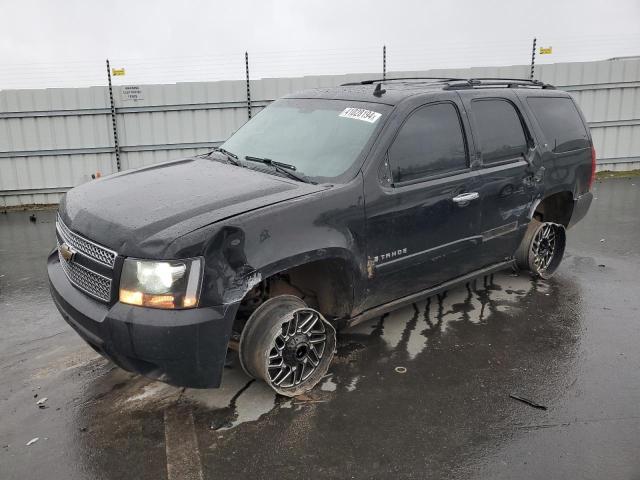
{"type": "Point", "coordinates": [402, 334]}
{"type": "Point", "coordinates": [483, 333]}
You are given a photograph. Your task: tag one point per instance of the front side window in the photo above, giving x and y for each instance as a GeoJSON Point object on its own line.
{"type": "Point", "coordinates": [560, 122]}
{"type": "Point", "coordinates": [500, 132]}
{"type": "Point", "coordinates": [321, 138]}
{"type": "Point", "coordinates": [429, 142]}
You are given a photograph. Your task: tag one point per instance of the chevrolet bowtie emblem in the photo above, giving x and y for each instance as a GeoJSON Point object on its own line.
{"type": "Point", "coordinates": [67, 252]}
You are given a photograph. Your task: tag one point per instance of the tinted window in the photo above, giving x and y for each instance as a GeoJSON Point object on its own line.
{"type": "Point", "coordinates": [560, 122]}
{"type": "Point", "coordinates": [429, 142]}
{"type": "Point", "coordinates": [499, 130]}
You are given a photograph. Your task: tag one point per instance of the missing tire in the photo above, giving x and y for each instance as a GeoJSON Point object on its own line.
{"type": "Point", "coordinates": [542, 248]}
{"type": "Point", "coordinates": [288, 345]}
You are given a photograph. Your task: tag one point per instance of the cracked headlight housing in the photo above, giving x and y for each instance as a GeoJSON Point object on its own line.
{"type": "Point", "coordinates": [168, 284]}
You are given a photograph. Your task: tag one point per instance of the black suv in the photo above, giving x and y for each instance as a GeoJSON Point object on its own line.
{"type": "Point", "coordinates": [330, 207]}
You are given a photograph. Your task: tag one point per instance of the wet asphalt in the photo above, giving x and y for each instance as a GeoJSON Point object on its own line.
{"type": "Point", "coordinates": [420, 393]}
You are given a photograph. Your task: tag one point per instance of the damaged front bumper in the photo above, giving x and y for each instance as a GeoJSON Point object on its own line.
{"type": "Point", "coordinates": [180, 347]}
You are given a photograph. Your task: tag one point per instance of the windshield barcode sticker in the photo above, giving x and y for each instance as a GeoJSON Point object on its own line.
{"type": "Point", "coordinates": [361, 114]}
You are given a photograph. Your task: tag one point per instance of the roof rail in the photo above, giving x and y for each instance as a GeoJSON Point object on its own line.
{"type": "Point", "coordinates": [489, 82]}
{"type": "Point", "coordinates": [380, 80]}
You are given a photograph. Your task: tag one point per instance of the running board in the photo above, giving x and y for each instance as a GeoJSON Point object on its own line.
{"type": "Point", "coordinates": [429, 292]}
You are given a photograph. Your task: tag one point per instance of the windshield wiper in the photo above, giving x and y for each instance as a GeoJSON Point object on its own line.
{"type": "Point", "coordinates": [231, 157]}
{"type": "Point", "coordinates": [285, 168]}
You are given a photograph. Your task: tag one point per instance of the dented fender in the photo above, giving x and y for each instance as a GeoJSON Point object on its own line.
{"type": "Point", "coordinates": [242, 251]}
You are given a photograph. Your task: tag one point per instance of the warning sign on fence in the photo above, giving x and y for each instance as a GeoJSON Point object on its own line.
{"type": "Point", "coordinates": [117, 72]}
{"type": "Point", "coordinates": [546, 50]}
{"type": "Point", "coordinates": [131, 93]}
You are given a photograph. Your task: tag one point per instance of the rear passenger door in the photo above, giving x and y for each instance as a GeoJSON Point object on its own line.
{"type": "Point", "coordinates": [504, 154]}
{"type": "Point", "coordinates": [422, 209]}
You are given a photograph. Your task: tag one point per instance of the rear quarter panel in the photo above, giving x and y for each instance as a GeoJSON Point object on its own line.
{"type": "Point", "coordinates": [564, 172]}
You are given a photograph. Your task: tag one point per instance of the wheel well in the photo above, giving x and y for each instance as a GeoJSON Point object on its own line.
{"type": "Point", "coordinates": [555, 208]}
{"type": "Point", "coordinates": [325, 285]}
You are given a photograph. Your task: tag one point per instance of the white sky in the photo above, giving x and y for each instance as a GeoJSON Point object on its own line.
{"type": "Point", "coordinates": [65, 42]}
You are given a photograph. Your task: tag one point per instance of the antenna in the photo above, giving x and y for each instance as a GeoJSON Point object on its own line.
{"type": "Point", "coordinates": [378, 91]}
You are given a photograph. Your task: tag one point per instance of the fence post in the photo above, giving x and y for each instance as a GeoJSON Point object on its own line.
{"type": "Point", "coordinates": [116, 147]}
{"type": "Point", "coordinates": [533, 59]}
{"type": "Point", "coordinates": [384, 62]}
{"type": "Point", "coordinates": [246, 66]}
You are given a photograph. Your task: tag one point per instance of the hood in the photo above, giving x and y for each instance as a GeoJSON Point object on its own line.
{"type": "Point", "coordinates": [142, 211]}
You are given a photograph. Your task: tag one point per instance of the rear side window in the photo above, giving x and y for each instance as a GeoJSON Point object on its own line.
{"type": "Point", "coordinates": [560, 122]}
{"type": "Point", "coordinates": [429, 142]}
{"type": "Point", "coordinates": [500, 132]}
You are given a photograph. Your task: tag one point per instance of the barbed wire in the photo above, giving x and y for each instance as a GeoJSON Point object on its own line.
{"type": "Point", "coordinates": [449, 54]}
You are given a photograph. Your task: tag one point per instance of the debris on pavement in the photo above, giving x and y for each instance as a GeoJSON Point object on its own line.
{"type": "Point", "coordinates": [42, 401]}
{"type": "Point", "coordinates": [401, 370]}
{"type": "Point", "coordinates": [527, 401]}
{"type": "Point", "coordinates": [304, 398]}
{"type": "Point", "coordinates": [32, 441]}
{"type": "Point", "coordinates": [310, 401]}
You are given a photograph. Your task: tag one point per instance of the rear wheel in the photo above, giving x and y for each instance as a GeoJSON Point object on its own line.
{"type": "Point", "coordinates": [542, 248]}
{"type": "Point", "coordinates": [287, 344]}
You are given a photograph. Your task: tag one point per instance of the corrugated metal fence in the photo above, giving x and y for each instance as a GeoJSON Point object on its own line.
{"type": "Point", "coordinates": [54, 139]}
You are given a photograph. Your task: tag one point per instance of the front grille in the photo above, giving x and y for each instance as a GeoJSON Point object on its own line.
{"type": "Point", "coordinates": [88, 281]}
{"type": "Point", "coordinates": [97, 252]}
{"type": "Point", "coordinates": [82, 275]}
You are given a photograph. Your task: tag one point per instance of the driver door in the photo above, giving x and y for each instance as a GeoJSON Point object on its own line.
{"type": "Point", "coordinates": [423, 215]}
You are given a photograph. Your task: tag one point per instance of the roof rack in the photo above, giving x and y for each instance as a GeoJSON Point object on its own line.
{"type": "Point", "coordinates": [385, 80]}
{"type": "Point", "coordinates": [464, 83]}
{"type": "Point", "coordinates": [491, 82]}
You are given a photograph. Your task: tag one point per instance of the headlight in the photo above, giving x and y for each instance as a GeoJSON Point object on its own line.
{"type": "Point", "coordinates": [161, 284]}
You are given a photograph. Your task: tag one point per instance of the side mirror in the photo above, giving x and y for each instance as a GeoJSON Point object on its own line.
{"type": "Point", "coordinates": [533, 157]}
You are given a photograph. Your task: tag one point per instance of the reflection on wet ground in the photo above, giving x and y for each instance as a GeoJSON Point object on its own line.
{"type": "Point", "coordinates": [422, 392]}
{"type": "Point", "coordinates": [399, 336]}
{"type": "Point", "coordinates": [438, 372]}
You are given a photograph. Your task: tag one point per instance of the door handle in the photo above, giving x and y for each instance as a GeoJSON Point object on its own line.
{"type": "Point", "coordinates": [464, 198]}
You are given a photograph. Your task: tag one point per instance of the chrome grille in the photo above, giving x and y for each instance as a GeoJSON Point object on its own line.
{"type": "Point", "coordinates": [82, 276]}
{"type": "Point", "coordinates": [88, 281]}
{"type": "Point", "coordinates": [93, 250]}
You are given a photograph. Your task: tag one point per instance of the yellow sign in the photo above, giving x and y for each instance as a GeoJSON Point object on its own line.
{"type": "Point", "coordinates": [546, 50]}
{"type": "Point", "coordinates": [116, 72]}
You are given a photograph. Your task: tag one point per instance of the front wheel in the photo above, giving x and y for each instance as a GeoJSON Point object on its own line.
{"type": "Point", "coordinates": [542, 248]}
{"type": "Point", "coordinates": [287, 344]}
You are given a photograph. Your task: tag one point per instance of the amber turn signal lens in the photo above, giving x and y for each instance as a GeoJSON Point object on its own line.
{"type": "Point", "coordinates": [147, 300]}
{"type": "Point", "coordinates": [189, 302]}
{"type": "Point", "coordinates": [159, 301]}
{"type": "Point", "coordinates": [132, 298]}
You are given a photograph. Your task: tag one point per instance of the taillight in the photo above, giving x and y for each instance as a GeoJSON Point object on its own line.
{"type": "Point", "coordinates": [593, 167]}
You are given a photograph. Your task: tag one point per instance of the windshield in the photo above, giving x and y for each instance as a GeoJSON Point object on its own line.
{"type": "Point", "coordinates": [319, 137]}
